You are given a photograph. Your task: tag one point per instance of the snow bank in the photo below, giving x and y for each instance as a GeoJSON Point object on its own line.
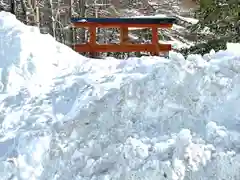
{"type": "Point", "coordinates": [64, 116]}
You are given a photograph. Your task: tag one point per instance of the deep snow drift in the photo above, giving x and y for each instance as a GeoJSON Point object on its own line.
{"type": "Point", "coordinates": [64, 116]}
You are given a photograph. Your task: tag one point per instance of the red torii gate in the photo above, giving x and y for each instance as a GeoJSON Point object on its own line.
{"type": "Point", "coordinates": [123, 24]}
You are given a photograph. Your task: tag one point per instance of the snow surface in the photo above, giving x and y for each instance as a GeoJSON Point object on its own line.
{"type": "Point", "coordinates": [175, 42]}
{"type": "Point", "coordinates": [64, 116]}
{"type": "Point", "coordinates": [188, 19]}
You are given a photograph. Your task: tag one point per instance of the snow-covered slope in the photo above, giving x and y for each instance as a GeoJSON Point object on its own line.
{"type": "Point", "coordinates": [176, 36]}
{"type": "Point", "coordinates": [180, 35]}
{"type": "Point", "coordinates": [64, 116]}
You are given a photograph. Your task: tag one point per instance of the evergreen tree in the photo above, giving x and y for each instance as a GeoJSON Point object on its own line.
{"type": "Point", "coordinates": [222, 17]}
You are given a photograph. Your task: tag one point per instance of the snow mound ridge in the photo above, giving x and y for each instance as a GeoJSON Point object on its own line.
{"type": "Point", "coordinates": [75, 118]}
{"type": "Point", "coordinates": [28, 56]}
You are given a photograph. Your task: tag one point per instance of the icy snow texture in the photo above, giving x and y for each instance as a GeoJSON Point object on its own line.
{"type": "Point", "coordinates": [64, 116]}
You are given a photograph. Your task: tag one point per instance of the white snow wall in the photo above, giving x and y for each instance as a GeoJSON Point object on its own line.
{"type": "Point", "coordinates": [64, 116]}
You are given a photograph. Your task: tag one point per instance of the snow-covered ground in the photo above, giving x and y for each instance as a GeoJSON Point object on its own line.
{"type": "Point", "coordinates": [66, 117]}
{"type": "Point", "coordinates": [176, 33]}
{"type": "Point", "coordinates": [182, 10]}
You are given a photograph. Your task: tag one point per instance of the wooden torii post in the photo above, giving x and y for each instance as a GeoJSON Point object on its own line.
{"type": "Point", "coordinates": [123, 24]}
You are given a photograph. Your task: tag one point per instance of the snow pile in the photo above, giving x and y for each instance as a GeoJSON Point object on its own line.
{"type": "Point", "coordinates": [64, 116]}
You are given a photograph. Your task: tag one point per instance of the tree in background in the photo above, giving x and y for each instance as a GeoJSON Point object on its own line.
{"type": "Point", "coordinates": [53, 16]}
{"type": "Point", "coordinates": [222, 18]}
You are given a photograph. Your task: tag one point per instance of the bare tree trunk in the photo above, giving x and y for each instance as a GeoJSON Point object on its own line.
{"type": "Point", "coordinates": [30, 12]}
{"type": "Point", "coordinates": [37, 19]}
{"type": "Point", "coordinates": [13, 6]}
{"type": "Point", "coordinates": [82, 11]}
{"type": "Point", "coordinates": [49, 19]}
{"type": "Point", "coordinates": [35, 13]}
{"type": "Point", "coordinates": [25, 11]}
{"type": "Point", "coordinates": [70, 32]}
{"type": "Point", "coordinates": [53, 18]}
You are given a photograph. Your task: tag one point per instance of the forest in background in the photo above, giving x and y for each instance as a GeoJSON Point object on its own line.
{"type": "Point", "coordinates": [219, 20]}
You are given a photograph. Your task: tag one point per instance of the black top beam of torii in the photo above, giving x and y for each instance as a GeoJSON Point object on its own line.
{"type": "Point", "coordinates": [137, 20]}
